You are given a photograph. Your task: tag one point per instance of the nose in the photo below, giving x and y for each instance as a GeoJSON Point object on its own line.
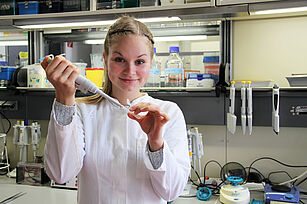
{"type": "Point", "coordinates": [130, 68]}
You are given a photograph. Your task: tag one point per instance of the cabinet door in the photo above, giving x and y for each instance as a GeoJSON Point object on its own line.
{"type": "Point", "coordinates": [231, 2]}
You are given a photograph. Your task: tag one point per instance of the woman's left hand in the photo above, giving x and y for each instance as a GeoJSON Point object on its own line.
{"type": "Point", "coordinates": [151, 123]}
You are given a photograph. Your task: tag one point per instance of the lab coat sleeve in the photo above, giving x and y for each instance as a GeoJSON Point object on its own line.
{"type": "Point", "coordinates": [171, 177]}
{"type": "Point", "coordinates": [64, 149]}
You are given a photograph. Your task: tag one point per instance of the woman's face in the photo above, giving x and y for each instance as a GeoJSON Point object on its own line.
{"type": "Point", "coordinates": [128, 63]}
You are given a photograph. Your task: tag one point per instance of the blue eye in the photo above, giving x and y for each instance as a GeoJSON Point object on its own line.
{"type": "Point", "coordinates": [119, 59]}
{"type": "Point", "coordinates": [139, 61]}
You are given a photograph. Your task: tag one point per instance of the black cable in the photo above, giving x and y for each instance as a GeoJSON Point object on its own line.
{"type": "Point", "coordinates": [270, 158]}
{"type": "Point", "coordinates": [301, 181]}
{"type": "Point", "coordinates": [200, 182]}
{"type": "Point", "coordinates": [10, 124]}
{"type": "Point", "coordinates": [206, 167]}
{"type": "Point", "coordinates": [301, 201]}
{"type": "Point", "coordinates": [277, 172]}
{"type": "Point", "coordinates": [263, 177]}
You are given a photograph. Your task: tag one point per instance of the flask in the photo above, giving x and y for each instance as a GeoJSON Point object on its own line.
{"type": "Point", "coordinates": [154, 75]}
{"type": "Point", "coordinates": [174, 68]}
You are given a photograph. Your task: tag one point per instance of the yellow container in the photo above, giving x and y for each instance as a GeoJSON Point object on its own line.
{"type": "Point", "coordinates": [95, 75]}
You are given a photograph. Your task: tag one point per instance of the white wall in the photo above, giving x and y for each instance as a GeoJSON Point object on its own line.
{"type": "Point", "coordinates": [270, 48]}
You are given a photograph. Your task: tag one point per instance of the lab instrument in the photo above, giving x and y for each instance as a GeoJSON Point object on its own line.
{"type": "Point", "coordinates": [275, 109]}
{"type": "Point", "coordinates": [231, 117]}
{"type": "Point", "coordinates": [196, 147]}
{"type": "Point", "coordinates": [233, 192]}
{"type": "Point", "coordinates": [31, 174]}
{"type": "Point", "coordinates": [272, 195]}
{"type": "Point", "coordinates": [243, 107]}
{"type": "Point", "coordinates": [249, 92]}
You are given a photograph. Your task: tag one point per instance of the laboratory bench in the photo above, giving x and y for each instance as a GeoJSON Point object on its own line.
{"type": "Point", "coordinates": [35, 194]}
{"type": "Point", "coordinates": [48, 195]}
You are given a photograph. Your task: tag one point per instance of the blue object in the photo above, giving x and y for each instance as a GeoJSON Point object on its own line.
{"type": "Point", "coordinates": [290, 197]}
{"type": "Point", "coordinates": [6, 73]}
{"type": "Point", "coordinates": [211, 59]}
{"type": "Point", "coordinates": [256, 201]}
{"type": "Point", "coordinates": [199, 76]}
{"type": "Point", "coordinates": [234, 180]}
{"type": "Point", "coordinates": [173, 49]}
{"type": "Point", "coordinates": [204, 193]}
{"type": "Point", "coordinates": [29, 7]}
{"type": "Point", "coordinates": [4, 63]}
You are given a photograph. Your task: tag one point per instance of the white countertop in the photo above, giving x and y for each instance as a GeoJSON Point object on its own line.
{"type": "Point", "coordinates": [48, 195]}
{"type": "Point", "coordinates": [35, 194]}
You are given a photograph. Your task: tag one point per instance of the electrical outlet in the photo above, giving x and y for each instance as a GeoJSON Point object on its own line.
{"type": "Point", "coordinates": [8, 105]}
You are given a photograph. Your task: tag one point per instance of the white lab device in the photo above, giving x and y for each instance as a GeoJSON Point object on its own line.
{"type": "Point", "coordinates": [243, 107]}
{"type": "Point", "coordinates": [233, 193]}
{"type": "Point", "coordinates": [231, 117]}
{"type": "Point", "coordinates": [275, 112]}
{"type": "Point", "coordinates": [249, 91]}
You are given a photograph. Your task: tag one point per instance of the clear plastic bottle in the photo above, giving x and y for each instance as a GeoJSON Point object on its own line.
{"type": "Point", "coordinates": [174, 68]}
{"type": "Point", "coordinates": [154, 76]}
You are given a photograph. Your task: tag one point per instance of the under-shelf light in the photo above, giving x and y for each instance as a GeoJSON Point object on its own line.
{"type": "Point", "coordinates": [276, 11]}
{"type": "Point", "coordinates": [158, 39]}
{"type": "Point", "coordinates": [180, 38]}
{"type": "Point", "coordinates": [94, 23]}
{"type": "Point", "coordinates": [94, 42]}
{"type": "Point", "coordinates": [14, 43]}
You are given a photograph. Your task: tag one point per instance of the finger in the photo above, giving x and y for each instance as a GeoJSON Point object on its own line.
{"type": "Point", "coordinates": [56, 73]}
{"type": "Point", "coordinates": [139, 105]}
{"type": "Point", "coordinates": [54, 64]}
{"type": "Point", "coordinates": [144, 107]}
{"type": "Point", "coordinates": [134, 117]}
{"type": "Point", "coordinates": [45, 63]}
{"type": "Point", "coordinates": [153, 109]}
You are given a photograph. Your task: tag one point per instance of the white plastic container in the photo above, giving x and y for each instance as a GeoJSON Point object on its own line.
{"type": "Point", "coordinates": [174, 69]}
{"type": "Point", "coordinates": [36, 76]}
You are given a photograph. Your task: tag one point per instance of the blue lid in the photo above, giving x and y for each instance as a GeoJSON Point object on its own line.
{"type": "Point", "coordinates": [3, 63]}
{"type": "Point", "coordinates": [155, 50]}
{"type": "Point", "coordinates": [211, 59]}
{"type": "Point", "coordinates": [7, 69]}
{"type": "Point", "coordinates": [199, 76]}
{"type": "Point", "coordinates": [173, 49]}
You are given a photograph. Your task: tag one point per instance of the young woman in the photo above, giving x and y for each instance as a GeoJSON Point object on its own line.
{"type": "Point", "coordinates": [135, 152]}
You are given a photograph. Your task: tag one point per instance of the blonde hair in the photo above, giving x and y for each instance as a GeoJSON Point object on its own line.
{"type": "Point", "coordinates": [124, 26]}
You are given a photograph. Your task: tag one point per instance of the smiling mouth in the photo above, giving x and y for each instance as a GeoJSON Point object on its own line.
{"type": "Point", "coordinates": [129, 80]}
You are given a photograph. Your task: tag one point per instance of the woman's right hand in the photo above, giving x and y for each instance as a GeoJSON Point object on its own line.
{"type": "Point", "coordinates": [62, 74]}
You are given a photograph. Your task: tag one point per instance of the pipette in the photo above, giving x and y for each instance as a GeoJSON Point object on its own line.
{"type": "Point", "coordinates": [275, 112]}
{"type": "Point", "coordinates": [249, 91]}
{"type": "Point", "coordinates": [243, 107]}
{"type": "Point", "coordinates": [85, 86]}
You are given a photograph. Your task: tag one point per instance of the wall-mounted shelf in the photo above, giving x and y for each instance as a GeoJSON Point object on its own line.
{"type": "Point", "coordinates": [199, 107]}
{"type": "Point", "coordinates": [190, 11]}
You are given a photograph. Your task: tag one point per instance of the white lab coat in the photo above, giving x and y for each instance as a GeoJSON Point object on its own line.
{"type": "Point", "coordinates": [108, 152]}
